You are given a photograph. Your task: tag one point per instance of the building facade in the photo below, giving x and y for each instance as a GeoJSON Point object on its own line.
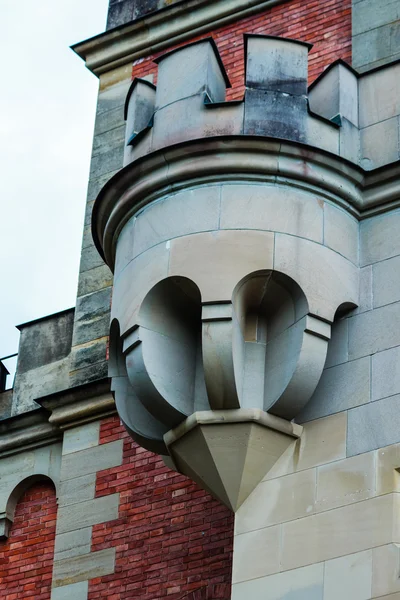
{"type": "Point", "coordinates": [217, 418]}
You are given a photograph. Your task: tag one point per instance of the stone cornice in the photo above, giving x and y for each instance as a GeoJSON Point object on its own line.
{"type": "Point", "coordinates": [58, 411]}
{"type": "Point", "coordinates": [227, 158]}
{"type": "Point", "coordinates": [26, 431]}
{"type": "Point", "coordinates": [79, 405]}
{"type": "Point", "coordinates": [162, 29]}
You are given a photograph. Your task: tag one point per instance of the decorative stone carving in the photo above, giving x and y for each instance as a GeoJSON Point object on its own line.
{"type": "Point", "coordinates": [228, 272]}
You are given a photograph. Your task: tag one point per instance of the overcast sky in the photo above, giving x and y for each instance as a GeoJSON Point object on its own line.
{"type": "Point", "coordinates": [47, 108]}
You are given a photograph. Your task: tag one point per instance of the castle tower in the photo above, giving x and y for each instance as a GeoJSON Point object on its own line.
{"type": "Point", "coordinates": [218, 415]}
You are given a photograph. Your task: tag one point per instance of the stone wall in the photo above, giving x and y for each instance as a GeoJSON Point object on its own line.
{"type": "Point", "coordinates": [123, 11]}
{"type": "Point", "coordinates": [376, 33]}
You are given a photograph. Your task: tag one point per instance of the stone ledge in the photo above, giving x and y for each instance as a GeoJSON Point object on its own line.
{"type": "Point", "coordinates": [163, 29]}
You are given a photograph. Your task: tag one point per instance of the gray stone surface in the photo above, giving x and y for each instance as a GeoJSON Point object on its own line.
{"type": "Point", "coordinates": [123, 11]}
{"type": "Point", "coordinates": [374, 425]}
{"type": "Point", "coordinates": [5, 404]}
{"type": "Point", "coordinates": [374, 331]}
{"type": "Point", "coordinates": [90, 259]}
{"type": "Point", "coordinates": [91, 460]}
{"type": "Point", "coordinates": [74, 591]}
{"type": "Point", "coordinates": [341, 232]}
{"type": "Point", "coordinates": [80, 438]}
{"type": "Point", "coordinates": [88, 354]}
{"type": "Point", "coordinates": [83, 568]}
{"type": "Point", "coordinates": [94, 280]}
{"type": "Point", "coordinates": [77, 490]}
{"type": "Point", "coordinates": [107, 161]}
{"type": "Point", "coordinates": [74, 543]}
{"type": "Point", "coordinates": [370, 14]}
{"type": "Point", "coordinates": [379, 237]}
{"type": "Point", "coordinates": [92, 316]}
{"type": "Point", "coordinates": [376, 107]}
{"type": "Point", "coordinates": [365, 298]}
{"type": "Point", "coordinates": [380, 144]}
{"type": "Point", "coordinates": [45, 341]}
{"type": "Point", "coordinates": [386, 373]}
{"type": "Point", "coordinates": [274, 208]}
{"type": "Point", "coordinates": [338, 346]}
{"type": "Point", "coordinates": [376, 46]}
{"type": "Point", "coordinates": [88, 374]}
{"type": "Point", "coordinates": [108, 140]}
{"type": "Point", "coordinates": [89, 512]}
{"type": "Point", "coordinates": [340, 388]}
{"type": "Point", "coordinates": [386, 281]}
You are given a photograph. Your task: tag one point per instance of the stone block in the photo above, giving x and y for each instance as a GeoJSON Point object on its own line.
{"type": "Point", "coordinates": [91, 460]}
{"type": "Point", "coordinates": [94, 188]}
{"type": "Point", "coordinates": [187, 212]}
{"type": "Point", "coordinates": [287, 115]}
{"type": "Point", "coordinates": [374, 331]}
{"type": "Point", "coordinates": [380, 144]}
{"type": "Point", "coordinates": [387, 469]}
{"type": "Point", "coordinates": [373, 425]}
{"type": "Point", "coordinates": [370, 14]}
{"type": "Point", "coordinates": [74, 543]}
{"type": "Point", "coordinates": [232, 255]}
{"type": "Point", "coordinates": [338, 347]}
{"type": "Point", "coordinates": [139, 108]}
{"type": "Point", "coordinates": [372, 523]}
{"type": "Point", "coordinates": [322, 441]}
{"type": "Point", "coordinates": [77, 591]}
{"type": "Point", "coordinates": [145, 270]}
{"type": "Point", "coordinates": [341, 387]}
{"type": "Point", "coordinates": [87, 374]}
{"type": "Point", "coordinates": [323, 135]}
{"type": "Point", "coordinates": [376, 107]}
{"type": "Point", "coordinates": [113, 96]}
{"type": "Point", "coordinates": [94, 280]}
{"type": "Point", "coordinates": [341, 232]}
{"type": "Point", "coordinates": [319, 282]}
{"type": "Point", "coordinates": [189, 71]}
{"type": "Point", "coordinates": [108, 140]}
{"type": "Point", "coordinates": [81, 437]}
{"type": "Point", "coordinates": [89, 354]}
{"type": "Point", "coordinates": [379, 237]}
{"type": "Point", "coordinates": [77, 490]}
{"type": "Point", "coordinates": [386, 373]}
{"type": "Point", "coordinates": [386, 281]}
{"type": "Point", "coordinates": [365, 297]}
{"type": "Point", "coordinates": [278, 500]}
{"type": "Point", "coordinates": [92, 316]}
{"type": "Point", "coordinates": [349, 141]}
{"type": "Point", "coordinates": [90, 259]}
{"type": "Point", "coordinates": [274, 208]}
{"type": "Point", "coordinates": [87, 513]}
{"type": "Point", "coordinates": [256, 554]}
{"type": "Point", "coordinates": [190, 119]}
{"type": "Point", "coordinates": [279, 65]}
{"type": "Point", "coordinates": [349, 577]}
{"type": "Point", "coordinates": [106, 162]}
{"type": "Point", "coordinates": [299, 584]}
{"type": "Point", "coordinates": [83, 568]}
{"type": "Point", "coordinates": [108, 120]}
{"type": "Point", "coordinates": [385, 572]}
{"type": "Point", "coordinates": [345, 482]}
{"type": "Point", "coordinates": [336, 93]}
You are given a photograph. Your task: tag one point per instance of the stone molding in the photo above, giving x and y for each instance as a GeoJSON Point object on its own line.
{"type": "Point", "coordinates": [240, 158]}
{"type": "Point", "coordinates": [164, 28]}
{"type": "Point", "coordinates": [27, 431]}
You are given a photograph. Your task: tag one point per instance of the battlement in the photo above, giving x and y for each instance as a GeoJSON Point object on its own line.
{"type": "Point", "coordinates": [335, 114]}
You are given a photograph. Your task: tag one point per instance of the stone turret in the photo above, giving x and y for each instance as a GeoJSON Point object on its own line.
{"type": "Point", "coordinates": [233, 233]}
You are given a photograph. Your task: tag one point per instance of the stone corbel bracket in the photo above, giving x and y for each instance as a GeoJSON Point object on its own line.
{"type": "Point", "coordinates": [227, 452]}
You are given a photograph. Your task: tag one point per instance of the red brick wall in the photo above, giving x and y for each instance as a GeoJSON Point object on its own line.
{"type": "Point", "coordinates": [171, 537]}
{"type": "Point", "coordinates": [26, 558]}
{"type": "Point", "coordinates": [324, 23]}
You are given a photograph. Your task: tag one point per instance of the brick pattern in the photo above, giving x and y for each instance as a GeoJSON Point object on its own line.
{"type": "Point", "coordinates": [26, 558]}
{"type": "Point", "coordinates": [324, 23]}
{"type": "Point", "coordinates": [172, 539]}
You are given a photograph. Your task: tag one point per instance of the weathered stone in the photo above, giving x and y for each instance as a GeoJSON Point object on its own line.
{"type": "Point", "coordinates": [94, 280]}
{"type": "Point", "coordinates": [83, 568]}
{"type": "Point", "coordinates": [385, 105]}
{"type": "Point", "coordinates": [374, 331]}
{"type": "Point", "coordinates": [379, 237]}
{"type": "Point", "coordinates": [373, 425]}
{"type": "Point", "coordinates": [349, 576]}
{"type": "Point", "coordinates": [386, 281]}
{"type": "Point", "coordinates": [77, 591]}
{"type": "Point", "coordinates": [386, 373]}
{"type": "Point", "coordinates": [380, 144]}
{"type": "Point", "coordinates": [340, 388]}
{"type": "Point", "coordinates": [341, 232]}
{"type": "Point", "coordinates": [90, 259]}
{"type": "Point", "coordinates": [90, 512]}
{"type": "Point", "coordinates": [77, 490]}
{"type": "Point", "coordinates": [87, 355]}
{"type": "Point", "coordinates": [91, 460]}
{"type": "Point", "coordinates": [88, 374]}
{"type": "Point", "coordinates": [74, 543]}
{"type": "Point", "coordinates": [338, 347]}
{"type": "Point", "coordinates": [80, 438]}
{"type": "Point", "coordinates": [92, 316]}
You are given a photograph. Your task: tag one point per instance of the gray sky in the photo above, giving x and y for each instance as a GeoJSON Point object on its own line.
{"type": "Point", "coordinates": [47, 108]}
